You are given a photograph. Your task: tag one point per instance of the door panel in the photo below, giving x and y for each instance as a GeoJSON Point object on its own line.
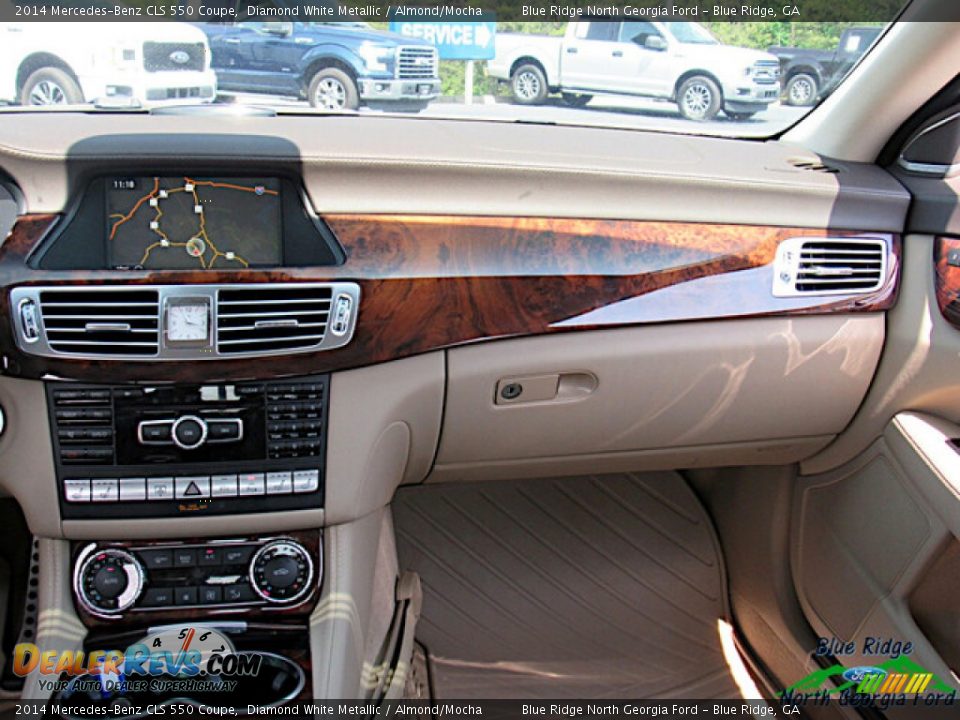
{"type": "Point", "coordinates": [646, 71]}
{"type": "Point", "coordinates": [263, 60]}
{"type": "Point", "coordinates": [590, 62]}
{"type": "Point", "coordinates": [231, 57]}
{"type": "Point", "coordinates": [871, 540]}
{"type": "Point", "coordinates": [277, 57]}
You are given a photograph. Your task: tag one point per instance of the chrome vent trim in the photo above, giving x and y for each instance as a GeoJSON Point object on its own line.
{"type": "Point", "coordinates": [126, 322]}
{"type": "Point", "coordinates": [830, 266]}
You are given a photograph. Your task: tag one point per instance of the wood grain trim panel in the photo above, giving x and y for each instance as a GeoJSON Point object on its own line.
{"type": "Point", "coordinates": [433, 282]}
{"type": "Point", "coordinates": [947, 279]}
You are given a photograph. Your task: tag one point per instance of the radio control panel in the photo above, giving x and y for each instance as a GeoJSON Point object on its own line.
{"type": "Point", "coordinates": [142, 451]}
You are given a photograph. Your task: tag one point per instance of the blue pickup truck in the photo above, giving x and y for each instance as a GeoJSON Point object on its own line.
{"type": "Point", "coordinates": [333, 66]}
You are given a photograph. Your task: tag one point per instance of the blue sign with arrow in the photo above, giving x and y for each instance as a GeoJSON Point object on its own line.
{"type": "Point", "coordinates": [453, 40]}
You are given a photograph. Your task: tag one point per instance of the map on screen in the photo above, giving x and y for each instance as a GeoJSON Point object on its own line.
{"type": "Point", "coordinates": [188, 223]}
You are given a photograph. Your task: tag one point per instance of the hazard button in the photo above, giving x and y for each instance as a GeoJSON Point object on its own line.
{"type": "Point", "coordinates": [193, 487]}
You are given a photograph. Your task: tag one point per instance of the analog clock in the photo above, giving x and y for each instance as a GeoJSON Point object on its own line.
{"type": "Point", "coordinates": [188, 322]}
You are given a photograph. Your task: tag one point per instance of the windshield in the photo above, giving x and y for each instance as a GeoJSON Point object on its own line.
{"type": "Point", "coordinates": [691, 33]}
{"type": "Point", "coordinates": [742, 76]}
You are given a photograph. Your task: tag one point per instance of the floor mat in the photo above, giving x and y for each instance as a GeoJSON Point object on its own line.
{"type": "Point", "coordinates": [592, 587]}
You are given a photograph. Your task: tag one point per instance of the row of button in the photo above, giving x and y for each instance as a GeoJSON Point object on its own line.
{"type": "Point", "coordinates": [66, 397]}
{"type": "Point", "coordinates": [280, 449]}
{"type": "Point", "coordinates": [97, 455]}
{"type": "Point", "coordinates": [84, 414]}
{"type": "Point", "coordinates": [190, 487]}
{"type": "Point", "coordinates": [80, 434]}
{"type": "Point", "coordinates": [247, 390]}
{"type": "Point", "coordinates": [197, 595]}
{"type": "Point", "coordinates": [292, 394]}
{"type": "Point", "coordinates": [294, 426]}
{"type": "Point", "coordinates": [189, 557]}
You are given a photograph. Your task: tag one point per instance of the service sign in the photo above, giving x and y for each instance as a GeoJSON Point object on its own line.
{"type": "Point", "coordinates": [453, 40]}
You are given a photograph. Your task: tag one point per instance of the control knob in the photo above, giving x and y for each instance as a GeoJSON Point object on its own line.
{"type": "Point", "coordinates": [189, 432]}
{"type": "Point", "coordinates": [109, 581]}
{"type": "Point", "coordinates": [281, 571]}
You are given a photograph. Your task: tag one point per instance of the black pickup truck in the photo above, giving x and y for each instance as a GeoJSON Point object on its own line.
{"type": "Point", "coordinates": [808, 75]}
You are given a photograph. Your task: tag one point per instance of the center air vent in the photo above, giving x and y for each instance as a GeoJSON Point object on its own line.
{"type": "Point", "coordinates": [254, 320]}
{"type": "Point", "coordinates": [98, 322]}
{"type": "Point", "coordinates": [829, 266]}
{"type": "Point", "coordinates": [135, 322]}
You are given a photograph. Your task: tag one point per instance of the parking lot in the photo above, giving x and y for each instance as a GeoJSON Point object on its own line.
{"type": "Point", "coordinates": [605, 110]}
{"type": "Point", "coordinates": [614, 111]}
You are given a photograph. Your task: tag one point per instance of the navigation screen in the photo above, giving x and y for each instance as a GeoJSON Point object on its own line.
{"type": "Point", "coordinates": [188, 223]}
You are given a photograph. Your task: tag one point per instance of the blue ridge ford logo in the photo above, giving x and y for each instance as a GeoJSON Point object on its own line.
{"type": "Point", "coordinates": [857, 674]}
{"type": "Point", "coordinates": [180, 57]}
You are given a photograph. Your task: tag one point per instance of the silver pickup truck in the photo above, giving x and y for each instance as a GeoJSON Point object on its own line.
{"type": "Point", "coordinates": [676, 61]}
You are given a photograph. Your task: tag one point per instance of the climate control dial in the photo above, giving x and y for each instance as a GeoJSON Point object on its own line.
{"type": "Point", "coordinates": [281, 571]}
{"type": "Point", "coordinates": [109, 581]}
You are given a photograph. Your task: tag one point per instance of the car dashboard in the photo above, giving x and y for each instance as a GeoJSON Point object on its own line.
{"type": "Point", "coordinates": [223, 352]}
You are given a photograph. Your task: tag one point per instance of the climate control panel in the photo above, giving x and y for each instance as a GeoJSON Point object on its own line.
{"type": "Point", "coordinates": [112, 579]}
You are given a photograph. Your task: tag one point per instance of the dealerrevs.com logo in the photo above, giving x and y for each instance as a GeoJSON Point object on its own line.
{"type": "Point", "coordinates": [172, 655]}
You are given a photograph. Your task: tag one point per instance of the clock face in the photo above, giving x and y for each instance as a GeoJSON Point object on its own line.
{"type": "Point", "coordinates": [187, 322]}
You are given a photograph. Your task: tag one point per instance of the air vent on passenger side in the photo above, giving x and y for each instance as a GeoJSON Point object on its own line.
{"type": "Point", "coordinates": [100, 321]}
{"type": "Point", "coordinates": [829, 266]}
{"type": "Point", "coordinates": [272, 318]}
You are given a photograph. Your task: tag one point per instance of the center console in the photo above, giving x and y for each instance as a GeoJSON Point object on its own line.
{"type": "Point", "coordinates": [172, 450]}
{"type": "Point", "coordinates": [195, 450]}
{"type": "Point", "coordinates": [201, 475]}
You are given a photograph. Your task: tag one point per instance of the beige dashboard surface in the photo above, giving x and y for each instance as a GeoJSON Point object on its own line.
{"type": "Point", "coordinates": [418, 165]}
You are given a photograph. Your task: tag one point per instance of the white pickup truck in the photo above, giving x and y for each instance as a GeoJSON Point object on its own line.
{"type": "Point", "coordinates": [63, 63]}
{"type": "Point", "coordinates": [676, 61]}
